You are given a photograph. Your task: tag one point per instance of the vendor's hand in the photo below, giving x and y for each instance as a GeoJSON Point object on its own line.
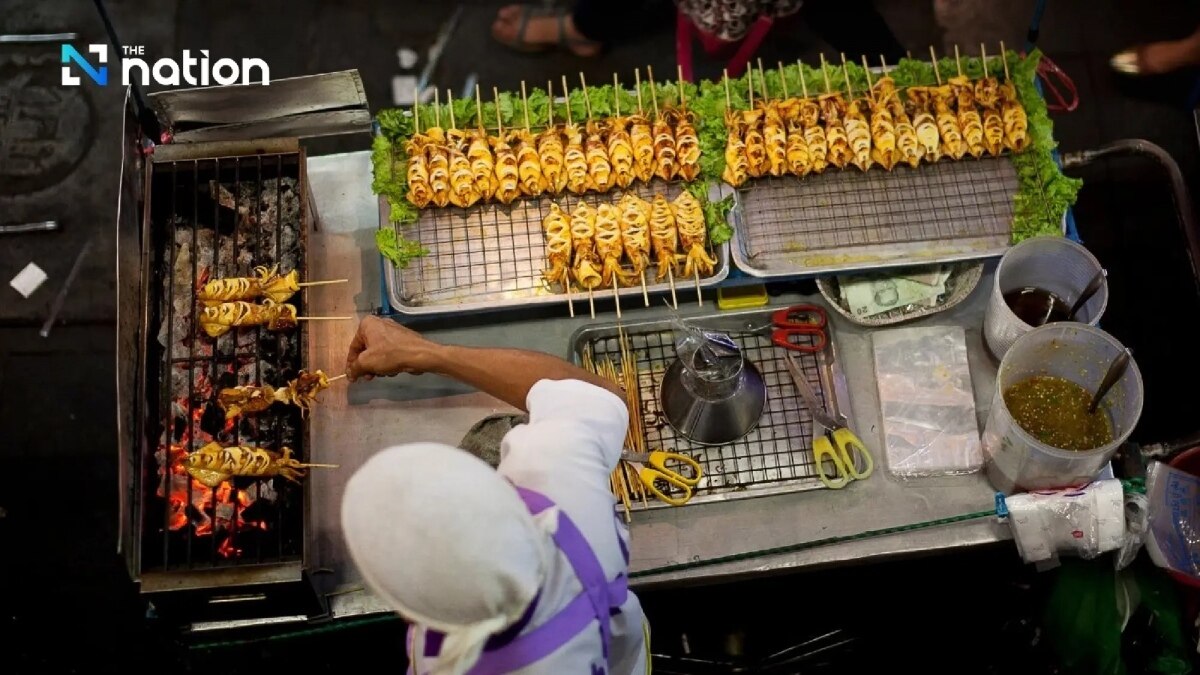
{"type": "Point", "coordinates": [384, 347]}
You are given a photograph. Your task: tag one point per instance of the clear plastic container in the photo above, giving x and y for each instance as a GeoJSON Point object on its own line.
{"type": "Point", "coordinates": [1054, 264]}
{"type": "Point", "coordinates": [1014, 460]}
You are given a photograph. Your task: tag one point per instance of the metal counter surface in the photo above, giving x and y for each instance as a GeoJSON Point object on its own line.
{"type": "Point", "coordinates": [352, 422]}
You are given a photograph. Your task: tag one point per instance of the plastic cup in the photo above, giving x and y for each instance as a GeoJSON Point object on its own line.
{"type": "Point", "coordinates": [1014, 460]}
{"type": "Point", "coordinates": [1051, 263]}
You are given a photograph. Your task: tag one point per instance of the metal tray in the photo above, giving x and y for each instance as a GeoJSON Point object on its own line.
{"type": "Point", "coordinates": [847, 220]}
{"type": "Point", "coordinates": [776, 456]}
{"type": "Point", "coordinates": [491, 256]}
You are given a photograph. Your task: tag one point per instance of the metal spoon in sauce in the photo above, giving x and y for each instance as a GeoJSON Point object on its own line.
{"type": "Point", "coordinates": [1088, 291]}
{"type": "Point", "coordinates": [1115, 371]}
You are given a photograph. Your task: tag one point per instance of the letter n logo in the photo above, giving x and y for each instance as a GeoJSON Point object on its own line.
{"type": "Point", "coordinates": [99, 75]}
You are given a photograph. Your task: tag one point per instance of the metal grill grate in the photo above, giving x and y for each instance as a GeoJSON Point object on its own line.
{"type": "Point", "coordinates": [946, 211]}
{"type": "Point", "coordinates": [775, 457]}
{"type": "Point", "coordinates": [492, 255]}
{"type": "Point", "coordinates": [215, 218]}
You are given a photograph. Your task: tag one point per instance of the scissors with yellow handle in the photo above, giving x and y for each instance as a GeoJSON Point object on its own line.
{"type": "Point", "coordinates": [845, 453]}
{"type": "Point", "coordinates": [651, 467]}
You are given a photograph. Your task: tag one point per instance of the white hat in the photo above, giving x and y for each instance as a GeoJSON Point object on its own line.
{"type": "Point", "coordinates": [445, 540]}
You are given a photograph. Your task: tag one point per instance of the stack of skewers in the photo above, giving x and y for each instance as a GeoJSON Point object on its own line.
{"type": "Point", "coordinates": [799, 136]}
{"type": "Point", "coordinates": [463, 167]}
{"type": "Point", "coordinates": [624, 481]}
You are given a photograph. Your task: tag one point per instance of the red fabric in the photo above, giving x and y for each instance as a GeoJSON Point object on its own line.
{"type": "Point", "coordinates": [739, 53]}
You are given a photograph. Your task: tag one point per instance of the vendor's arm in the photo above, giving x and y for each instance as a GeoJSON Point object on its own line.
{"type": "Point", "coordinates": [383, 347]}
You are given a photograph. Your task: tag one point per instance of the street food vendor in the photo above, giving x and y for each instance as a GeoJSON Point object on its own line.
{"type": "Point", "coordinates": [521, 568]}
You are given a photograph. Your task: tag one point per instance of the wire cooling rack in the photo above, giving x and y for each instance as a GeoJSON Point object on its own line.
{"type": "Point", "coordinates": [491, 255]}
{"type": "Point", "coordinates": [776, 456]}
{"type": "Point", "coordinates": [848, 219]}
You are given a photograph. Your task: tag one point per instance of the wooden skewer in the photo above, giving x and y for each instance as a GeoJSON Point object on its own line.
{"type": "Point", "coordinates": [867, 70]}
{"type": "Point", "coordinates": [936, 73]}
{"type": "Point", "coordinates": [616, 296]}
{"type": "Point", "coordinates": [762, 79]}
{"type": "Point", "coordinates": [671, 280]}
{"type": "Point", "coordinates": [637, 84]}
{"type": "Point", "coordinates": [450, 107]}
{"type": "Point", "coordinates": [983, 58]}
{"type": "Point", "coordinates": [437, 109]}
{"type": "Point", "coordinates": [803, 83]}
{"type": "Point", "coordinates": [479, 108]}
{"type": "Point", "coordinates": [653, 92]}
{"type": "Point", "coordinates": [322, 283]}
{"type": "Point", "coordinates": [587, 100]}
{"type": "Point", "coordinates": [682, 96]}
{"type": "Point", "coordinates": [846, 72]}
{"type": "Point", "coordinates": [825, 72]}
{"type": "Point", "coordinates": [549, 104]}
{"type": "Point", "coordinates": [616, 95]}
{"type": "Point", "coordinates": [782, 81]}
{"type": "Point", "coordinates": [699, 292]}
{"type": "Point", "coordinates": [592, 302]}
{"type": "Point", "coordinates": [750, 84]}
{"type": "Point", "coordinates": [957, 61]}
{"type": "Point", "coordinates": [645, 293]}
{"type": "Point", "coordinates": [1004, 60]}
{"type": "Point", "coordinates": [336, 378]}
{"type": "Point", "coordinates": [883, 64]}
{"type": "Point", "coordinates": [728, 97]}
{"type": "Point", "coordinates": [525, 104]}
{"type": "Point", "coordinates": [499, 122]}
{"type": "Point", "coordinates": [567, 98]}
{"type": "Point", "coordinates": [324, 466]}
{"type": "Point", "coordinates": [324, 318]}
{"type": "Point", "coordinates": [416, 110]}
{"type": "Point", "coordinates": [908, 53]}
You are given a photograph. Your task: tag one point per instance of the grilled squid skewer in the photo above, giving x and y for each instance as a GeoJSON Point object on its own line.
{"type": "Point", "coordinates": [214, 464]}
{"type": "Point", "coordinates": [462, 182]}
{"type": "Point", "coordinates": [689, 223]}
{"type": "Point", "coordinates": [737, 165]}
{"type": "Point", "coordinates": [620, 151]}
{"type": "Point", "coordinates": [687, 145]}
{"type": "Point", "coordinates": [664, 237]}
{"type": "Point", "coordinates": [483, 164]}
{"type": "Point", "coordinates": [809, 114]}
{"type": "Point", "coordinates": [558, 246]}
{"type": "Point", "coordinates": [635, 233]}
{"type": "Point", "coordinates": [417, 173]}
{"type": "Point", "coordinates": [968, 117]}
{"type": "Point", "coordinates": [921, 103]}
{"type": "Point", "coordinates": [587, 265]}
{"type": "Point", "coordinates": [758, 164]}
{"type": "Point", "coordinates": [438, 158]}
{"type": "Point", "coordinates": [775, 139]}
{"type": "Point", "coordinates": [1016, 124]}
{"type": "Point", "coordinates": [600, 173]}
{"type": "Point", "coordinates": [608, 242]}
{"type": "Point", "coordinates": [220, 319]}
{"type": "Point", "coordinates": [248, 399]}
{"type": "Point", "coordinates": [529, 164]}
{"type": "Point", "coordinates": [266, 283]}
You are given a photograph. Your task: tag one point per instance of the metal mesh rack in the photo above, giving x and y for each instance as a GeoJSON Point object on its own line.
{"type": "Point", "coordinates": [492, 255]}
{"type": "Point", "coordinates": [775, 457]}
{"type": "Point", "coordinates": [952, 210]}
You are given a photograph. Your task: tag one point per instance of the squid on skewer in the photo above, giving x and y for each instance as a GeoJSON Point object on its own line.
{"type": "Point", "coordinates": [508, 174]}
{"type": "Point", "coordinates": [608, 242]}
{"type": "Point", "coordinates": [664, 237]}
{"type": "Point", "coordinates": [529, 165]}
{"type": "Point", "coordinates": [575, 161]}
{"type": "Point", "coordinates": [550, 148]}
{"type": "Point", "coordinates": [737, 165]}
{"type": "Point", "coordinates": [665, 165]}
{"type": "Point", "coordinates": [1016, 124]}
{"type": "Point", "coordinates": [968, 118]}
{"type": "Point", "coordinates": [797, 156]}
{"type": "Point", "coordinates": [248, 399]}
{"type": "Point", "coordinates": [642, 137]}
{"type": "Point", "coordinates": [687, 145]}
{"type": "Point", "coordinates": [774, 138]}
{"type": "Point", "coordinates": [987, 95]}
{"type": "Point", "coordinates": [620, 150]}
{"type": "Point", "coordinates": [947, 122]}
{"type": "Point", "coordinates": [921, 105]}
{"type": "Point", "coordinates": [438, 159]}
{"type": "Point", "coordinates": [635, 233]}
{"type": "Point", "coordinates": [417, 172]}
{"type": "Point", "coordinates": [758, 164]}
{"type": "Point", "coordinates": [833, 110]}
{"type": "Point", "coordinates": [858, 132]}
{"type": "Point", "coordinates": [220, 319]}
{"type": "Point", "coordinates": [214, 464]}
{"type": "Point", "coordinates": [809, 115]}
{"type": "Point", "coordinates": [266, 283]}
{"type": "Point", "coordinates": [908, 147]}
{"type": "Point", "coordinates": [689, 223]}
{"type": "Point", "coordinates": [587, 265]}
{"type": "Point", "coordinates": [558, 246]}
{"type": "Point", "coordinates": [883, 126]}
{"type": "Point", "coordinates": [463, 191]}
{"type": "Point", "coordinates": [600, 174]}
{"type": "Point", "coordinates": [483, 164]}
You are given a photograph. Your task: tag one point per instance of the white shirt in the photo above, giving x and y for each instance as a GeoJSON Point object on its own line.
{"type": "Point", "coordinates": [567, 452]}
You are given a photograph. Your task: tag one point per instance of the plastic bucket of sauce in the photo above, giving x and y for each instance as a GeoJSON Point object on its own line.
{"type": "Point", "coordinates": [1015, 459]}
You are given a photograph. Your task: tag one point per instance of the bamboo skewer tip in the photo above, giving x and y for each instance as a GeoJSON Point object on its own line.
{"type": "Point", "coordinates": [1004, 60]}
{"type": "Point", "coordinates": [325, 282]}
{"type": "Point", "coordinates": [983, 58]}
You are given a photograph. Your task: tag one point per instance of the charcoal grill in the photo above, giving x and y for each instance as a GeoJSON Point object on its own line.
{"type": "Point", "coordinates": [209, 210]}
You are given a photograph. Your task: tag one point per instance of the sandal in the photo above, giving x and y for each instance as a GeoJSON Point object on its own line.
{"type": "Point", "coordinates": [536, 11]}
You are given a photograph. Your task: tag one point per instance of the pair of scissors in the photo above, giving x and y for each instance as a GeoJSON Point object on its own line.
{"type": "Point", "coordinates": [805, 321]}
{"type": "Point", "coordinates": [652, 467]}
{"type": "Point", "coordinates": [845, 451]}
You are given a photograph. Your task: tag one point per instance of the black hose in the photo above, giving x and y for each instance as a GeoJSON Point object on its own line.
{"type": "Point", "coordinates": [1183, 201]}
{"type": "Point", "coordinates": [146, 116]}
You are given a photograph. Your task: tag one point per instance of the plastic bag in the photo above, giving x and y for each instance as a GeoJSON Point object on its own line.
{"type": "Point", "coordinates": [1173, 539]}
{"type": "Point", "coordinates": [711, 360]}
{"type": "Point", "coordinates": [926, 402]}
{"type": "Point", "coordinates": [1084, 521]}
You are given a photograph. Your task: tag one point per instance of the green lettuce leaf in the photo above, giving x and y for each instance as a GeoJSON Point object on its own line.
{"type": "Point", "coordinates": [396, 248]}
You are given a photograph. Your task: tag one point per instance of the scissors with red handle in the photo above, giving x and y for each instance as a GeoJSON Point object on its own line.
{"type": "Point", "coordinates": [806, 321]}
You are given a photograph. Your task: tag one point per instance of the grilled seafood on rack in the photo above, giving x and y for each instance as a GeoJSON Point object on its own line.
{"type": "Point", "coordinates": [220, 319]}
{"type": "Point", "coordinates": [1016, 124]}
{"type": "Point", "coordinates": [664, 150]}
{"type": "Point", "coordinates": [438, 159]}
{"type": "Point", "coordinates": [968, 117]}
{"type": "Point", "coordinates": [736, 163]}
{"type": "Point", "coordinates": [642, 139]}
{"type": "Point", "coordinates": [462, 183]}
{"type": "Point", "coordinates": [575, 160]}
{"type": "Point", "coordinates": [529, 164]}
{"type": "Point", "coordinates": [833, 110]}
{"type": "Point", "coordinates": [689, 222]}
{"type": "Point", "coordinates": [687, 145]}
{"type": "Point", "coordinates": [635, 233]}
{"type": "Point", "coordinates": [608, 242]}
{"type": "Point", "coordinates": [214, 464]}
{"type": "Point", "coordinates": [248, 399]}
{"type": "Point", "coordinates": [987, 95]}
{"type": "Point", "coordinates": [558, 246]}
{"type": "Point", "coordinates": [797, 149]}
{"type": "Point", "coordinates": [883, 133]}
{"type": "Point", "coordinates": [587, 265]}
{"type": "Point", "coordinates": [947, 122]}
{"type": "Point", "coordinates": [757, 162]}
{"type": "Point", "coordinates": [508, 175]}
{"type": "Point", "coordinates": [417, 172]}
{"type": "Point", "coordinates": [921, 103]}
{"type": "Point", "coordinates": [908, 147]}
{"type": "Point", "coordinates": [266, 283]}
{"type": "Point", "coordinates": [664, 237]}
{"type": "Point", "coordinates": [550, 152]}
{"type": "Point", "coordinates": [620, 150]}
{"type": "Point", "coordinates": [809, 114]}
{"type": "Point", "coordinates": [599, 169]}
{"type": "Point", "coordinates": [483, 164]}
{"type": "Point", "coordinates": [859, 135]}
{"type": "Point", "coordinates": [775, 139]}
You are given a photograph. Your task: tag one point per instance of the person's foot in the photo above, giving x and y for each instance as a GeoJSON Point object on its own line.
{"type": "Point", "coordinates": [1158, 58]}
{"type": "Point", "coordinates": [526, 28]}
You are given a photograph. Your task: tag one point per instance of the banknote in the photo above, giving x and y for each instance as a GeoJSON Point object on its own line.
{"type": "Point", "coordinates": [869, 296]}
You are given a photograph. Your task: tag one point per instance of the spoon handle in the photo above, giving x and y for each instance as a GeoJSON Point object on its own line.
{"type": "Point", "coordinates": [1115, 371]}
{"type": "Point", "coordinates": [1086, 294]}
